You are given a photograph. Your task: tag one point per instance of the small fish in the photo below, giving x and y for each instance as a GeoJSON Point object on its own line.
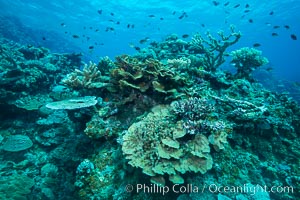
{"type": "Point", "coordinates": [75, 36]}
{"type": "Point", "coordinates": [132, 25]}
{"type": "Point", "coordinates": [227, 3]}
{"type": "Point", "coordinates": [250, 20]}
{"type": "Point", "coordinates": [143, 41]}
{"type": "Point", "coordinates": [256, 45]}
{"type": "Point", "coordinates": [111, 20]}
{"type": "Point", "coordinates": [246, 11]}
{"type": "Point", "coordinates": [185, 36]}
{"type": "Point", "coordinates": [276, 27]}
{"type": "Point", "coordinates": [161, 18]}
{"type": "Point", "coordinates": [109, 29]}
{"type": "Point", "coordinates": [203, 25]}
{"type": "Point", "coordinates": [151, 16]}
{"type": "Point", "coordinates": [182, 15]}
{"type": "Point", "coordinates": [247, 6]}
{"type": "Point", "coordinates": [112, 14]}
{"type": "Point", "coordinates": [271, 13]}
{"type": "Point", "coordinates": [274, 34]}
{"type": "Point", "coordinates": [117, 22]}
{"type": "Point", "coordinates": [294, 37]}
{"type": "Point", "coordinates": [268, 24]}
{"type": "Point", "coordinates": [96, 30]}
{"type": "Point", "coordinates": [43, 38]}
{"type": "Point", "coordinates": [99, 12]}
{"type": "Point", "coordinates": [63, 24]}
{"type": "Point", "coordinates": [269, 69]}
{"type": "Point", "coordinates": [216, 3]}
{"type": "Point", "coordinates": [91, 47]}
{"type": "Point", "coordinates": [174, 13]}
{"type": "Point", "coordinates": [128, 25]}
{"type": "Point", "coordinates": [236, 6]}
{"type": "Point", "coordinates": [287, 26]}
{"type": "Point", "coordinates": [84, 27]}
{"type": "Point", "coordinates": [66, 32]}
{"type": "Point", "coordinates": [137, 48]}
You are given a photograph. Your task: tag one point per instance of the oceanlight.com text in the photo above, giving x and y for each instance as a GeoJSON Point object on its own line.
{"type": "Point", "coordinates": [212, 188]}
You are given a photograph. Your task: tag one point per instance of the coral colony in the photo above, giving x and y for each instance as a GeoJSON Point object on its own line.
{"type": "Point", "coordinates": [165, 117]}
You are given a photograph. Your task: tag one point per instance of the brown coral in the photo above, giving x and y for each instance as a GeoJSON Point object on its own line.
{"type": "Point", "coordinates": [158, 146]}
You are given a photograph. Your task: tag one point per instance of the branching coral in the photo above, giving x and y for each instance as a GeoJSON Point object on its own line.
{"type": "Point", "coordinates": [90, 77]}
{"type": "Point", "coordinates": [246, 60]}
{"type": "Point", "coordinates": [213, 50]}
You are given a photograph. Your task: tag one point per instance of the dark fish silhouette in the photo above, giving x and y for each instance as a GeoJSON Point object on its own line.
{"type": "Point", "coordinates": [203, 25]}
{"type": "Point", "coordinates": [151, 16]}
{"type": "Point", "coordinates": [117, 22]}
{"type": "Point", "coordinates": [226, 4]}
{"type": "Point", "coordinates": [215, 3]}
{"type": "Point", "coordinates": [287, 26]}
{"type": "Point", "coordinates": [75, 36]}
{"type": "Point", "coordinates": [137, 48]}
{"type": "Point", "coordinates": [174, 13]}
{"type": "Point", "coordinates": [246, 11]}
{"type": "Point", "coordinates": [99, 12]}
{"type": "Point", "coordinates": [112, 14]}
{"type": "Point", "coordinates": [247, 6]}
{"type": "Point", "coordinates": [274, 34]}
{"type": "Point", "coordinates": [161, 18]}
{"type": "Point", "coordinates": [43, 38]}
{"type": "Point", "coordinates": [128, 25]}
{"type": "Point", "coordinates": [91, 47]}
{"type": "Point", "coordinates": [109, 29]}
{"type": "Point", "coordinates": [236, 6]}
{"type": "Point", "coordinates": [182, 15]}
{"type": "Point", "coordinates": [294, 37]}
{"type": "Point", "coordinates": [63, 24]}
{"type": "Point", "coordinates": [185, 36]}
{"type": "Point", "coordinates": [143, 41]}
{"type": "Point", "coordinates": [271, 13]}
{"type": "Point", "coordinates": [276, 27]}
{"type": "Point", "coordinates": [256, 45]}
{"type": "Point", "coordinates": [250, 20]}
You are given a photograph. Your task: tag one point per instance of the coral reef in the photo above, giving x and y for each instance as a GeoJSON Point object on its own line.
{"type": "Point", "coordinates": [161, 146]}
{"type": "Point", "coordinates": [167, 115]}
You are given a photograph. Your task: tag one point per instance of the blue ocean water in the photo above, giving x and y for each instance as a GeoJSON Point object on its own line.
{"type": "Point", "coordinates": [102, 25]}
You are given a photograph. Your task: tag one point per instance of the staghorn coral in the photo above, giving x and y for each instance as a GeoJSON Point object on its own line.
{"type": "Point", "coordinates": [213, 50]}
{"type": "Point", "coordinates": [90, 77]}
{"type": "Point", "coordinates": [246, 60]}
{"type": "Point", "coordinates": [158, 145]}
